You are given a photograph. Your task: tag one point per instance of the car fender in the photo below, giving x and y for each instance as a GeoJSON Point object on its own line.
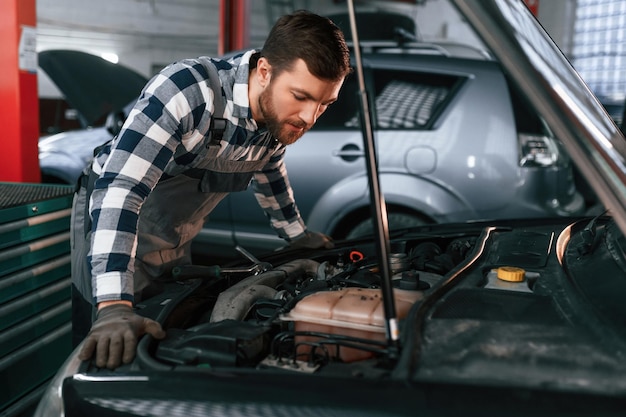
{"type": "Point", "coordinates": [65, 155]}
{"type": "Point", "coordinates": [429, 199]}
{"type": "Point", "coordinates": [61, 166]}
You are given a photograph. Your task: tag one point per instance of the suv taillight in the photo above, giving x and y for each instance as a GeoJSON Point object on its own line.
{"type": "Point", "coordinates": [537, 150]}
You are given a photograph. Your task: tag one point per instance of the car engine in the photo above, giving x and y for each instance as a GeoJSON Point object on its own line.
{"type": "Point", "coordinates": [305, 313]}
{"type": "Point", "coordinates": [473, 302]}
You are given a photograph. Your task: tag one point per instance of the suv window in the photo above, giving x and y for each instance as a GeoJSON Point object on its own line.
{"type": "Point", "coordinates": [409, 100]}
{"type": "Point", "coordinates": [403, 100]}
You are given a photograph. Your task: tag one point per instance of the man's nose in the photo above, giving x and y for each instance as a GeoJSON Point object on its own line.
{"type": "Point", "coordinates": [310, 112]}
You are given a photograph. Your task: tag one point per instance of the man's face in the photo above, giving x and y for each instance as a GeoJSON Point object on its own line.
{"type": "Point", "coordinates": [292, 102]}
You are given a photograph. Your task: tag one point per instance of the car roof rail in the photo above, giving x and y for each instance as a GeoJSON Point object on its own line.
{"type": "Point", "coordinates": [447, 49]}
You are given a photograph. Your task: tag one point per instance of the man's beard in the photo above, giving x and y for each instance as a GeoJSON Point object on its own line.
{"type": "Point", "coordinates": [276, 127]}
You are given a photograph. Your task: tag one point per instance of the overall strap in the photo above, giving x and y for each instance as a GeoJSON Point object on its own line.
{"type": "Point", "coordinates": [218, 123]}
{"type": "Point", "coordinates": [87, 181]}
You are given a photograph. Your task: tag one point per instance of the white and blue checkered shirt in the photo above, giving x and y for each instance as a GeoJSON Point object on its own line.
{"type": "Point", "coordinates": [162, 137]}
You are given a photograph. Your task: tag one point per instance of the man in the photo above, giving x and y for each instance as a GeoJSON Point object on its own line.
{"type": "Point", "coordinates": [166, 171]}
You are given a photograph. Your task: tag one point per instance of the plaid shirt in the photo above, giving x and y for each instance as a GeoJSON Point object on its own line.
{"type": "Point", "coordinates": [162, 137]}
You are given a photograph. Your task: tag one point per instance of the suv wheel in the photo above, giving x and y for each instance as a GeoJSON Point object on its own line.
{"type": "Point", "coordinates": [395, 221]}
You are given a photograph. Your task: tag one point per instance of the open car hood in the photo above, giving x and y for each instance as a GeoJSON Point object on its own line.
{"type": "Point", "coordinates": [92, 85]}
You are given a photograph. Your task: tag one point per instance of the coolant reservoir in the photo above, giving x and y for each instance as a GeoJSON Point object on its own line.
{"type": "Point", "coordinates": [354, 312]}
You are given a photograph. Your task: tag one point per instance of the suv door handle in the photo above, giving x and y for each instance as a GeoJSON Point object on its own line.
{"type": "Point", "coordinates": [349, 153]}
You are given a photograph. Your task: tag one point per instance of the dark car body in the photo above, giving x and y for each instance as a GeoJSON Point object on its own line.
{"type": "Point", "coordinates": [504, 317]}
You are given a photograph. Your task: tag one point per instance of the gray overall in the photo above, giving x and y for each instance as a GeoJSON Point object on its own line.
{"type": "Point", "coordinates": [171, 217]}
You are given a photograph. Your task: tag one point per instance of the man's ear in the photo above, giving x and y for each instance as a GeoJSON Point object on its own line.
{"type": "Point", "coordinates": [263, 71]}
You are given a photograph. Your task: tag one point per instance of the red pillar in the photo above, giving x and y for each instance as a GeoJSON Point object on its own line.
{"type": "Point", "coordinates": [19, 102]}
{"type": "Point", "coordinates": [234, 33]}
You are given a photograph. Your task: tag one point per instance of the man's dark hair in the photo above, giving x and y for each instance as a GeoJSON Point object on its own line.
{"type": "Point", "coordinates": [313, 38]}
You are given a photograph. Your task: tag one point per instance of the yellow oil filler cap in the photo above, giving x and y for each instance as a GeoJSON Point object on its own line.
{"type": "Point", "coordinates": [511, 274]}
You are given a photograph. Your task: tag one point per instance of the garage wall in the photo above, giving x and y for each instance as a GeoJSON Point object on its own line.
{"type": "Point", "coordinates": [141, 33]}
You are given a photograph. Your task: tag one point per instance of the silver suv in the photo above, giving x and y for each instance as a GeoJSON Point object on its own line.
{"type": "Point", "coordinates": [455, 142]}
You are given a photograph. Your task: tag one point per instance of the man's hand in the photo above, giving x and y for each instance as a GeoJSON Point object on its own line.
{"type": "Point", "coordinates": [113, 336]}
{"type": "Point", "coordinates": [312, 240]}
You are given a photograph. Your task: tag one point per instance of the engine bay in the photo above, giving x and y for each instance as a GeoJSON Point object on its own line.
{"type": "Point", "coordinates": [477, 303]}
{"type": "Point", "coordinates": [307, 312]}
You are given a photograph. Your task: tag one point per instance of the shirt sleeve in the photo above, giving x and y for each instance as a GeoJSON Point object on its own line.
{"type": "Point", "coordinates": [275, 196]}
{"type": "Point", "coordinates": [137, 160]}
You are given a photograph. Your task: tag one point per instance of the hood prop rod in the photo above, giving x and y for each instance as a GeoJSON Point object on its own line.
{"type": "Point", "coordinates": [379, 211]}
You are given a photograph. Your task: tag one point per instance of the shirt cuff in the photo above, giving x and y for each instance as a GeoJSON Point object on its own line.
{"type": "Point", "coordinates": [112, 286]}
